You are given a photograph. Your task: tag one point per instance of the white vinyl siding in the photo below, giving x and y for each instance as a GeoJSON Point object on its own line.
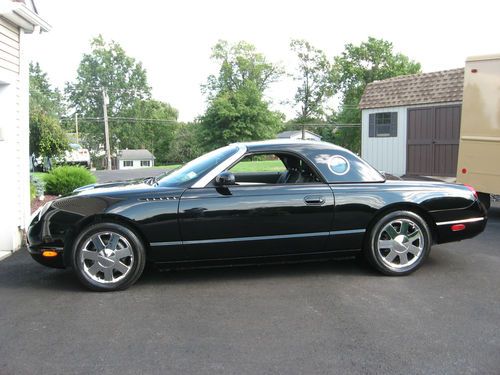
{"type": "Point", "coordinates": [387, 154]}
{"type": "Point", "coordinates": [9, 46]}
{"type": "Point", "coordinates": [14, 135]}
{"type": "Point", "coordinates": [132, 164]}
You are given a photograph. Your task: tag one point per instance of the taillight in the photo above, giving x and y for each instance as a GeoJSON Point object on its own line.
{"type": "Point", "coordinates": [474, 192]}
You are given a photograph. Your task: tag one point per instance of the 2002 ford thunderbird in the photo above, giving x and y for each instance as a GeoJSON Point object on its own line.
{"type": "Point", "coordinates": [324, 202]}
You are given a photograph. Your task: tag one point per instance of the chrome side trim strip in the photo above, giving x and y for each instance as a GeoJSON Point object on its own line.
{"type": "Point", "coordinates": [171, 243]}
{"type": "Point", "coordinates": [258, 238]}
{"type": "Point", "coordinates": [202, 182]}
{"type": "Point", "coordinates": [350, 231]}
{"type": "Point", "coordinates": [473, 220]}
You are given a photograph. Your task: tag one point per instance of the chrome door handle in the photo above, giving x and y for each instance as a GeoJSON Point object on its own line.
{"type": "Point", "coordinates": [314, 200]}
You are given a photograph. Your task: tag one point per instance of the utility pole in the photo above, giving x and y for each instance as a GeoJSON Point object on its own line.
{"type": "Point", "coordinates": [76, 127]}
{"type": "Point", "coordinates": [105, 102]}
{"type": "Point", "coordinates": [303, 131]}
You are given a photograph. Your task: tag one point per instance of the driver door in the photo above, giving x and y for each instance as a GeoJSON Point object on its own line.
{"type": "Point", "coordinates": [255, 219]}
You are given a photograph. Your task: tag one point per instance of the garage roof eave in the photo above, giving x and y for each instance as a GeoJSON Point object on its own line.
{"type": "Point", "coordinates": [25, 18]}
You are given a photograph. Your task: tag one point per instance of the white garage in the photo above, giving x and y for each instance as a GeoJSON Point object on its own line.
{"type": "Point", "coordinates": [17, 18]}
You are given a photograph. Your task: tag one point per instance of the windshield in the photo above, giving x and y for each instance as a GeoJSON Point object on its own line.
{"type": "Point", "coordinates": [197, 168]}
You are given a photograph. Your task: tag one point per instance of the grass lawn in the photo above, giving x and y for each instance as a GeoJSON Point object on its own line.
{"type": "Point", "coordinates": [40, 175]}
{"type": "Point", "coordinates": [246, 166]}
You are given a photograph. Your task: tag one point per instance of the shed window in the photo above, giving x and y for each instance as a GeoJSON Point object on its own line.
{"type": "Point", "coordinates": [128, 163]}
{"type": "Point", "coordinates": [384, 124]}
{"type": "Point", "coordinates": [145, 163]}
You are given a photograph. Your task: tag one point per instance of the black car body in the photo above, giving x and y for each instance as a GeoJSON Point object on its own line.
{"type": "Point", "coordinates": [326, 203]}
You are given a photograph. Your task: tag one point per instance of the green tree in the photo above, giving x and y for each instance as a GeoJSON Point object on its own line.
{"type": "Point", "coordinates": [186, 144]}
{"type": "Point", "coordinates": [46, 135]}
{"type": "Point", "coordinates": [149, 124]}
{"type": "Point", "coordinates": [314, 77]}
{"type": "Point", "coordinates": [240, 64]}
{"type": "Point", "coordinates": [357, 66]}
{"type": "Point", "coordinates": [44, 97]}
{"type": "Point", "coordinates": [236, 109]}
{"type": "Point", "coordinates": [106, 67]}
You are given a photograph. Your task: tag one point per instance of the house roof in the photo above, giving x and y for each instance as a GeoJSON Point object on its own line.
{"type": "Point", "coordinates": [290, 133]}
{"type": "Point", "coordinates": [424, 88]}
{"type": "Point", "coordinates": [141, 154]}
{"type": "Point", "coordinates": [23, 15]}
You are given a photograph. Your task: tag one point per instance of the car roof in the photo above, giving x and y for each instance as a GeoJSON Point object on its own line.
{"type": "Point", "coordinates": [289, 145]}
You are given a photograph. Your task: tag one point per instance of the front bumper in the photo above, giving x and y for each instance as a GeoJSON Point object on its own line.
{"type": "Point", "coordinates": [40, 239]}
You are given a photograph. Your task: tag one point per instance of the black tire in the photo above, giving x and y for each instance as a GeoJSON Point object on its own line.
{"type": "Point", "coordinates": [127, 242]}
{"type": "Point", "coordinates": [485, 199]}
{"type": "Point", "coordinates": [417, 241]}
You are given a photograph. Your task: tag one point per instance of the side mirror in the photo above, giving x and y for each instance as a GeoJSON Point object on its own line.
{"type": "Point", "coordinates": [225, 178]}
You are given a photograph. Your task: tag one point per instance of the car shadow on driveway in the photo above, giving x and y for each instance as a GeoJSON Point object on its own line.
{"type": "Point", "coordinates": [20, 271]}
{"type": "Point", "coordinates": [336, 267]}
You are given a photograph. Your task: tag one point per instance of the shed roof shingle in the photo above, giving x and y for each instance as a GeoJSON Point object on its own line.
{"type": "Point", "coordinates": [141, 154]}
{"type": "Point", "coordinates": [424, 88]}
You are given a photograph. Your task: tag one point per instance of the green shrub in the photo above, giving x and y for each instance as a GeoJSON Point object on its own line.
{"type": "Point", "coordinates": [38, 184]}
{"type": "Point", "coordinates": [63, 180]}
{"type": "Point", "coordinates": [32, 191]}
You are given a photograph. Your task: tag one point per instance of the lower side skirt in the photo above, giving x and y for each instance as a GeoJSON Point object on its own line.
{"type": "Point", "coordinates": [260, 260]}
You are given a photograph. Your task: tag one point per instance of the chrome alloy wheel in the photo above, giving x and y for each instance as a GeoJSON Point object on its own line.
{"type": "Point", "coordinates": [400, 243]}
{"type": "Point", "coordinates": [106, 257]}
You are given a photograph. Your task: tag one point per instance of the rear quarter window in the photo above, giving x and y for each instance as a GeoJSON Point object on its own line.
{"type": "Point", "coordinates": [338, 166]}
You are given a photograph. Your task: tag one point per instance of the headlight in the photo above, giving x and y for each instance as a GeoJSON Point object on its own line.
{"type": "Point", "coordinates": [35, 216]}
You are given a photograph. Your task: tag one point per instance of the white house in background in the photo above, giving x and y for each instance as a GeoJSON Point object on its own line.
{"type": "Point", "coordinates": [297, 134]}
{"type": "Point", "coordinates": [130, 159]}
{"type": "Point", "coordinates": [411, 124]}
{"type": "Point", "coordinates": [17, 18]}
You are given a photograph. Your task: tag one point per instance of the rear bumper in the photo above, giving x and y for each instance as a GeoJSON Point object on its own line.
{"type": "Point", "coordinates": [472, 228]}
{"type": "Point", "coordinates": [473, 221]}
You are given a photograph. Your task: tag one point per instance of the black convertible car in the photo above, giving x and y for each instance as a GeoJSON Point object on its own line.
{"type": "Point", "coordinates": [324, 201]}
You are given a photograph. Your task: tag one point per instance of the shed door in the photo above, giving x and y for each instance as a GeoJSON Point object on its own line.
{"type": "Point", "coordinates": [433, 136]}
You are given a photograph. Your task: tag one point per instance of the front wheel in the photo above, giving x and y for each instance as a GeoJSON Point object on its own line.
{"type": "Point", "coordinates": [398, 243]}
{"type": "Point", "coordinates": [108, 257]}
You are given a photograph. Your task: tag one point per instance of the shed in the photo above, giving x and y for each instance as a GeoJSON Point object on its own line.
{"type": "Point", "coordinates": [411, 124]}
{"type": "Point", "coordinates": [130, 159]}
{"type": "Point", "coordinates": [17, 20]}
{"type": "Point", "coordinates": [297, 134]}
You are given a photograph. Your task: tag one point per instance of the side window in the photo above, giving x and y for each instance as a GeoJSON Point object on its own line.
{"type": "Point", "coordinates": [344, 167]}
{"type": "Point", "coordinates": [259, 164]}
{"type": "Point", "coordinates": [384, 124]}
{"type": "Point", "coordinates": [273, 169]}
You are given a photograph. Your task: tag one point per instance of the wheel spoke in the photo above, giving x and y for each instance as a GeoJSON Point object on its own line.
{"type": "Point", "coordinates": [97, 241]}
{"type": "Point", "coordinates": [123, 253]}
{"type": "Point", "coordinates": [414, 250]}
{"type": "Point", "coordinates": [389, 229]}
{"type": "Point", "coordinates": [414, 236]}
{"type": "Point", "coordinates": [108, 274]}
{"type": "Point", "coordinates": [93, 269]}
{"type": "Point", "coordinates": [404, 227]}
{"type": "Point", "coordinates": [390, 257]}
{"type": "Point", "coordinates": [403, 258]}
{"type": "Point", "coordinates": [89, 255]}
{"type": "Point", "coordinates": [120, 267]}
{"type": "Point", "coordinates": [113, 241]}
{"type": "Point", "coordinates": [385, 244]}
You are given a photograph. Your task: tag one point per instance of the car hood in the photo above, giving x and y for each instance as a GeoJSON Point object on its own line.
{"type": "Point", "coordinates": [126, 186]}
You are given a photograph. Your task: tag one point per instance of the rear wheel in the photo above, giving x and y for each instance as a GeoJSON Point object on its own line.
{"type": "Point", "coordinates": [108, 257]}
{"type": "Point", "coordinates": [398, 243]}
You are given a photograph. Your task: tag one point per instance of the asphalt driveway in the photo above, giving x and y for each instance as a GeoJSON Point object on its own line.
{"type": "Point", "coordinates": [316, 318]}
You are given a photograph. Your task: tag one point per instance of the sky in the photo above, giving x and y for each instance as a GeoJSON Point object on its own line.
{"type": "Point", "coordinates": [173, 39]}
